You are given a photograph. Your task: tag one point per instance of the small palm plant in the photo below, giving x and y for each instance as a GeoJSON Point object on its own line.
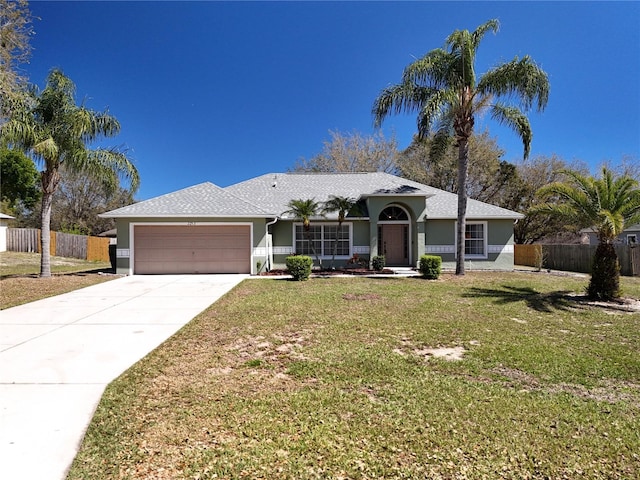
{"type": "Point", "coordinates": [609, 205]}
{"type": "Point", "coordinates": [305, 210]}
{"type": "Point", "coordinates": [342, 205]}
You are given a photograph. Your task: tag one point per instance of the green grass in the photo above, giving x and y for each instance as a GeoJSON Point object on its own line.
{"type": "Point", "coordinates": [329, 379]}
{"type": "Point", "coordinates": [17, 263]}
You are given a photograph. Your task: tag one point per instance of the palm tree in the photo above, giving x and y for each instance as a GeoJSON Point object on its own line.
{"type": "Point", "coordinates": [609, 205]}
{"type": "Point", "coordinates": [304, 210]}
{"type": "Point", "coordinates": [56, 132]}
{"type": "Point", "coordinates": [442, 89]}
{"type": "Point", "coordinates": [342, 205]}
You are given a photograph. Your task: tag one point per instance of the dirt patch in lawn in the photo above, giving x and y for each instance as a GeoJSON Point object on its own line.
{"type": "Point", "coordinates": [612, 391]}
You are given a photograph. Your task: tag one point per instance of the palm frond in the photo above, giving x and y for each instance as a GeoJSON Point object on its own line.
{"type": "Point", "coordinates": [516, 121]}
{"type": "Point", "coordinates": [434, 70]}
{"type": "Point", "coordinates": [520, 78]}
{"type": "Point", "coordinates": [404, 97]}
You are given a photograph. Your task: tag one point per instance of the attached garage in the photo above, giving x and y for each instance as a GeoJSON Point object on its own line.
{"type": "Point", "coordinates": [166, 249]}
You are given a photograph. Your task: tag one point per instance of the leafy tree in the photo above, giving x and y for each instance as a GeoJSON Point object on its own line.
{"type": "Point", "coordinates": [342, 205]}
{"type": "Point", "coordinates": [18, 179]}
{"type": "Point", "coordinates": [353, 153]}
{"type": "Point", "coordinates": [305, 210]}
{"type": "Point", "coordinates": [15, 32]}
{"type": "Point", "coordinates": [609, 204]}
{"type": "Point", "coordinates": [520, 195]}
{"type": "Point", "coordinates": [487, 177]}
{"type": "Point", "coordinates": [57, 132]}
{"type": "Point", "coordinates": [443, 90]}
{"type": "Point", "coordinates": [80, 198]}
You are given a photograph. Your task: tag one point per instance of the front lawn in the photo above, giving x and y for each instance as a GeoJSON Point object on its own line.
{"type": "Point", "coordinates": [19, 281]}
{"type": "Point", "coordinates": [339, 378]}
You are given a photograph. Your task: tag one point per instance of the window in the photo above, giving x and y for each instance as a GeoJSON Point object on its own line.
{"type": "Point", "coordinates": [632, 239]}
{"type": "Point", "coordinates": [324, 239]}
{"type": "Point", "coordinates": [329, 239]}
{"type": "Point", "coordinates": [475, 239]}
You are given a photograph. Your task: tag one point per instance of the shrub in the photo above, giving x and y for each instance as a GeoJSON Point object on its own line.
{"type": "Point", "coordinates": [430, 266]}
{"type": "Point", "coordinates": [378, 263]}
{"type": "Point", "coordinates": [299, 266]}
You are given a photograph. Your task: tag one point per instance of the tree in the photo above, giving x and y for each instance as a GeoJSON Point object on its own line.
{"type": "Point", "coordinates": [487, 177]}
{"type": "Point", "coordinates": [442, 89]}
{"type": "Point", "coordinates": [609, 204]}
{"type": "Point", "coordinates": [305, 210]}
{"type": "Point", "coordinates": [342, 205]}
{"type": "Point", "coordinates": [533, 174]}
{"type": "Point", "coordinates": [18, 179]}
{"type": "Point", "coordinates": [57, 132]}
{"type": "Point", "coordinates": [353, 153]}
{"type": "Point", "coordinates": [15, 32]}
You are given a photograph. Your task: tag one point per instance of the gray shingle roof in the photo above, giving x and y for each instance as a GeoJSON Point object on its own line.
{"type": "Point", "coordinates": [268, 196]}
{"type": "Point", "coordinates": [273, 192]}
{"type": "Point", "coordinates": [203, 200]}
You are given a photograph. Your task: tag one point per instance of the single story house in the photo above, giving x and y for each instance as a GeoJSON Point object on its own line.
{"type": "Point", "coordinates": [630, 236]}
{"type": "Point", "coordinates": [244, 227]}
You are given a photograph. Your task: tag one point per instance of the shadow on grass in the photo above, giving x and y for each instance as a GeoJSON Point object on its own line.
{"type": "Point", "coordinates": [79, 273]}
{"type": "Point", "coordinates": [541, 302]}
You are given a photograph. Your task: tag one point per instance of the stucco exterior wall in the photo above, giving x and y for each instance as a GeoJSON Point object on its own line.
{"type": "Point", "coordinates": [441, 240]}
{"type": "Point", "coordinates": [283, 242]}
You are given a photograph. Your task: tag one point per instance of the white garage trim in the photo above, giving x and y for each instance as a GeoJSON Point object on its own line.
{"type": "Point", "coordinates": [132, 226]}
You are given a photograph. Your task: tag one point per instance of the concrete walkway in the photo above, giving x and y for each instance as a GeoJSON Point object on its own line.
{"type": "Point", "coordinates": [57, 355]}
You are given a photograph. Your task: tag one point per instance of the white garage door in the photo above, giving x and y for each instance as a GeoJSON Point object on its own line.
{"type": "Point", "coordinates": [192, 249]}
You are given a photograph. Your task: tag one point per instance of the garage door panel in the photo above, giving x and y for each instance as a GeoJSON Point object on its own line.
{"type": "Point", "coordinates": [192, 249]}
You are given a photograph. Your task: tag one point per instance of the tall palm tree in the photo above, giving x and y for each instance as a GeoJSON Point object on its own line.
{"type": "Point", "coordinates": [56, 132]}
{"type": "Point", "coordinates": [609, 204]}
{"type": "Point", "coordinates": [443, 90]}
{"type": "Point", "coordinates": [342, 205]}
{"type": "Point", "coordinates": [305, 210]}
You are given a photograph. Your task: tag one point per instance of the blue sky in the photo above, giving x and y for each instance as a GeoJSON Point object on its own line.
{"type": "Point", "coordinates": [225, 91]}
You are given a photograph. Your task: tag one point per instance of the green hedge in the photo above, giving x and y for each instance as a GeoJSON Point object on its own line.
{"type": "Point", "coordinates": [430, 266]}
{"type": "Point", "coordinates": [299, 267]}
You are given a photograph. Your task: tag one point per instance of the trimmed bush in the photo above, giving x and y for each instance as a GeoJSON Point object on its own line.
{"type": "Point", "coordinates": [430, 266]}
{"type": "Point", "coordinates": [299, 266]}
{"type": "Point", "coordinates": [378, 262]}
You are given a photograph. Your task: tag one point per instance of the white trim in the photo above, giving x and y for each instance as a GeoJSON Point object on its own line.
{"type": "Point", "coordinates": [322, 225]}
{"type": "Point", "coordinates": [408, 222]}
{"type": "Point", "coordinates": [499, 249]}
{"type": "Point", "coordinates": [485, 242]}
{"type": "Point", "coordinates": [132, 226]}
{"type": "Point", "coordinates": [440, 249]}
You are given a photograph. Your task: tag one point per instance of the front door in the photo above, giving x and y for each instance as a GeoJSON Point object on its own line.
{"type": "Point", "coordinates": [395, 245]}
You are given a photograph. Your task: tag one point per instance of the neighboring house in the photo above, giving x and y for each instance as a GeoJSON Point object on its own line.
{"type": "Point", "coordinates": [4, 224]}
{"type": "Point", "coordinates": [242, 228]}
{"type": "Point", "coordinates": [630, 236]}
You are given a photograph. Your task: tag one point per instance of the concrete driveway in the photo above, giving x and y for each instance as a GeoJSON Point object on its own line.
{"type": "Point", "coordinates": [57, 355]}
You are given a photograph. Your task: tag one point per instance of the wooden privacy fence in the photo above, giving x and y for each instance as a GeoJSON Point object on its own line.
{"type": "Point", "coordinates": [62, 244]}
{"type": "Point", "coordinates": [575, 258]}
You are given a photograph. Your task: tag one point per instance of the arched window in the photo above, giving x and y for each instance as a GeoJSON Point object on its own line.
{"type": "Point", "coordinates": [393, 214]}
